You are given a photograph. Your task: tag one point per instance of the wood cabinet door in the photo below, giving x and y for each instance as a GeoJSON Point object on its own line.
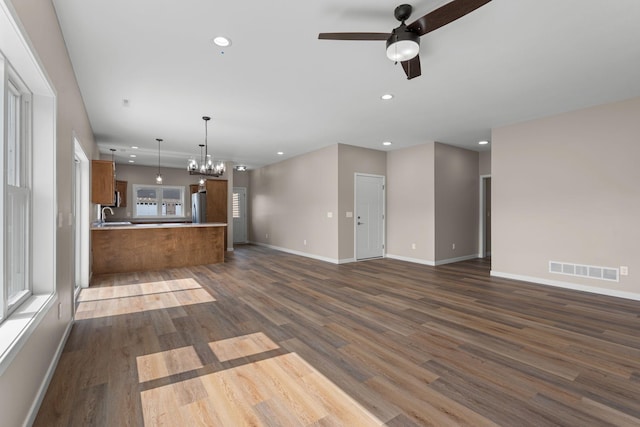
{"type": "Point", "coordinates": [121, 187]}
{"type": "Point", "coordinates": [103, 182]}
{"type": "Point", "coordinates": [216, 200]}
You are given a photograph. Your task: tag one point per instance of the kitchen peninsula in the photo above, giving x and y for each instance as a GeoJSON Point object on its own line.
{"type": "Point", "coordinates": [120, 248]}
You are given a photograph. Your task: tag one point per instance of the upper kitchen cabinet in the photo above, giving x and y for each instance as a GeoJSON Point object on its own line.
{"type": "Point", "coordinates": [121, 189]}
{"type": "Point", "coordinates": [103, 182]}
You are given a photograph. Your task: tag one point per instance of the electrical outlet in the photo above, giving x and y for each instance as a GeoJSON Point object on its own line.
{"type": "Point", "coordinates": [413, 246]}
{"type": "Point", "coordinates": [266, 236]}
{"type": "Point", "coordinates": [329, 214]}
{"type": "Point", "coordinates": [349, 214]}
{"type": "Point", "coordinates": [453, 246]}
{"type": "Point", "coordinates": [304, 242]}
{"type": "Point", "coordinates": [624, 270]}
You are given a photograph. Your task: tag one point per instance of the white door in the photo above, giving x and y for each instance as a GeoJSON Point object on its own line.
{"type": "Point", "coordinates": [239, 215]}
{"type": "Point", "coordinates": [369, 216]}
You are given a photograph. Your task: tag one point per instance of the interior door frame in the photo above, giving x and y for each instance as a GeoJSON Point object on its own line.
{"type": "Point", "coordinates": [482, 253]}
{"type": "Point", "coordinates": [384, 214]}
{"type": "Point", "coordinates": [81, 217]}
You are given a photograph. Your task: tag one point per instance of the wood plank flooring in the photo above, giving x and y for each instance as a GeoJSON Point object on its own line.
{"type": "Point", "coordinates": [273, 339]}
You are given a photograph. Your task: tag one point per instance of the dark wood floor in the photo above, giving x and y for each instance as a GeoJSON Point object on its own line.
{"type": "Point", "coordinates": [274, 339]}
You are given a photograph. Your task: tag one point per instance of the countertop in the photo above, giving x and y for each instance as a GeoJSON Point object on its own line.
{"type": "Point", "coordinates": [129, 226]}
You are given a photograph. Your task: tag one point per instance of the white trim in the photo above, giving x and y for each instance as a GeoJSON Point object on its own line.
{"type": "Point", "coordinates": [458, 259]}
{"type": "Point", "coordinates": [567, 285]}
{"type": "Point", "coordinates": [35, 406]}
{"type": "Point", "coordinates": [355, 213]}
{"type": "Point", "coordinates": [17, 328]}
{"type": "Point", "coordinates": [413, 260]}
{"type": "Point", "coordinates": [304, 254]}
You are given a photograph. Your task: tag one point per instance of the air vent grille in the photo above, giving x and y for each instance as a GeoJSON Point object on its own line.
{"type": "Point", "coordinates": [581, 270]}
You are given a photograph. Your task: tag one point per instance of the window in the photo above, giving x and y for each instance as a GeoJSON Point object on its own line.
{"type": "Point", "coordinates": [158, 201]}
{"type": "Point", "coordinates": [28, 201]}
{"type": "Point", "coordinates": [16, 248]}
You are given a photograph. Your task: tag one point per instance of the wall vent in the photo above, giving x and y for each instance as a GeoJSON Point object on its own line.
{"type": "Point", "coordinates": [581, 270]}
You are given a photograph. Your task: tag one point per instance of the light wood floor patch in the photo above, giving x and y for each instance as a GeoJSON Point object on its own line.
{"type": "Point", "coordinates": [166, 363]}
{"type": "Point", "coordinates": [246, 345]}
{"type": "Point", "coordinates": [113, 301]}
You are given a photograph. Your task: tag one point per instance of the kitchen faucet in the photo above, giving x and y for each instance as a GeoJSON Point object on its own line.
{"type": "Point", "coordinates": [103, 217]}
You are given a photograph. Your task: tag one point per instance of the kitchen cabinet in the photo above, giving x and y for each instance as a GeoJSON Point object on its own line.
{"type": "Point", "coordinates": [103, 181]}
{"type": "Point", "coordinates": [121, 187]}
{"type": "Point", "coordinates": [217, 203]}
{"type": "Point", "coordinates": [194, 188]}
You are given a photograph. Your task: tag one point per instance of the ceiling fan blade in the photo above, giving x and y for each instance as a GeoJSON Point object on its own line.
{"type": "Point", "coordinates": [412, 67]}
{"type": "Point", "coordinates": [354, 36]}
{"type": "Point", "coordinates": [444, 15]}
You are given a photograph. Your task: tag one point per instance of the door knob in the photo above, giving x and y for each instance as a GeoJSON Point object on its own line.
{"type": "Point", "coordinates": [360, 223]}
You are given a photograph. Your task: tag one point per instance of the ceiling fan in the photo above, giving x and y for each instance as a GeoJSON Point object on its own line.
{"type": "Point", "coordinates": [403, 43]}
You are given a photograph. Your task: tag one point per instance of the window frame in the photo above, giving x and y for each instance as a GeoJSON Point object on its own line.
{"type": "Point", "coordinates": [16, 187]}
{"type": "Point", "coordinates": [161, 188]}
{"type": "Point", "coordinates": [20, 62]}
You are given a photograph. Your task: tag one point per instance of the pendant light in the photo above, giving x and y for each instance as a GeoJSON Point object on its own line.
{"type": "Point", "coordinates": [158, 176]}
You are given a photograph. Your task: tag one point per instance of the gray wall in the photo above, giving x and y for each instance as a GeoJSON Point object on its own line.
{"type": "Point", "coordinates": [484, 158]}
{"type": "Point", "coordinates": [20, 383]}
{"type": "Point", "coordinates": [289, 202]}
{"type": "Point", "coordinates": [352, 160]}
{"type": "Point", "coordinates": [566, 188]}
{"type": "Point", "coordinates": [410, 203]}
{"type": "Point", "coordinates": [457, 196]}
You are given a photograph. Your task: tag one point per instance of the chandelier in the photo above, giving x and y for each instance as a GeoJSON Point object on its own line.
{"type": "Point", "coordinates": [207, 165]}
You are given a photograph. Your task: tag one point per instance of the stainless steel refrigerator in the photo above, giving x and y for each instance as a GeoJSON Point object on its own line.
{"type": "Point", "coordinates": [199, 207]}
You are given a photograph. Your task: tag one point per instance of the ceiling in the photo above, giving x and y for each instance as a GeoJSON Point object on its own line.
{"type": "Point", "coordinates": [279, 88]}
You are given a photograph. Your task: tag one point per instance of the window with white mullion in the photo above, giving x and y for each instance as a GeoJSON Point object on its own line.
{"type": "Point", "coordinates": [17, 200]}
{"type": "Point", "coordinates": [158, 201]}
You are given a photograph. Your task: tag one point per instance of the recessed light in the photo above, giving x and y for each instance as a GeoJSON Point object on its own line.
{"type": "Point", "coordinates": [386, 143]}
{"type": "Point", "coordinates": [280, 153]}
{"type": "Point", "coordinates": [241, 168]}
{"type": "Point", "coordinates": [483, 142]}
{"type": "Point", "coordinates": [222, 41]}
{"type": "Point", "coordinates": [132, 155]}
{"type": "Point", "coordinates": [134, 147]}
{"type": "Point", "coordinates": [132, 161]}
{"type": "Point", "coordinates": [386, 96]}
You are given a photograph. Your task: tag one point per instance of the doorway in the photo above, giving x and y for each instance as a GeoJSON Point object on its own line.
{"type": "Point", "coordinates": [369, 216]}
{"type": "Point", "coordinates": [484, 243]}
{"type": "Point", "coordinates": [239, 208]}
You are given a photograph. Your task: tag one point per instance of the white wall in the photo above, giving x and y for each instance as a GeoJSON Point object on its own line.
{"type": "Point", "coordinates": [566, 188]}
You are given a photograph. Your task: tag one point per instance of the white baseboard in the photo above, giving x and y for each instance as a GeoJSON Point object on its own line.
{"type": "Point", "coordinates": [35, 406]}
{"type": "Point", "coordinates": [304, 254]}
{"type": "Point", "coordinates": [409, 259]}
{"type": "Point", "coordinates": [567, 285]}
{"type": "Point", "coordinates": [458, 259]}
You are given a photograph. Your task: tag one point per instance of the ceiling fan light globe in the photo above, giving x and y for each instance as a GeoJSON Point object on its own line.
{"type": "Point", "coordinates": [403, 50]}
